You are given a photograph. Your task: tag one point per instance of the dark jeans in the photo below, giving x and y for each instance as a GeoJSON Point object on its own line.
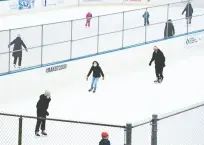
{"type": "Point", "coordinates": [40, 122]}
{"type": "Point", "coordinates": [146, 22]}
{"type": "Point", "coordinates": [188, 20]}
{"type": "Point", "coordinates": [159, 72]}
{"type": "Point", "coordinates": [19, 60]}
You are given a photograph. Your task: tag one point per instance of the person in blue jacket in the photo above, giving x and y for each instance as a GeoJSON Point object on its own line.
{"type": "Point", "coordinates": [104, 140]}
{"type": "Point", "coordinates": [97, 72]}
{"type": "Point", "coordinates": [146, 18]}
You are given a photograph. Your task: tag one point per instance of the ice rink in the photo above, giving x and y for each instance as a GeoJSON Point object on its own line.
{"type": "Point", "coordinates": [127, 94]}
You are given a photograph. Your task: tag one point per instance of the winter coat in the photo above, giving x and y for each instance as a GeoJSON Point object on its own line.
{"type": "Point", "coordinates": [97, 71]}
{"type": "Point", "coordinates": [88, 17]}
{"type": "Point", "coordinates": [169, 29]}
{"type": "Point", "coordinates": [146, 15]}
{"type": "Point", "coordinates": [189, 10]}
{"type": "Point", "coordinates": [42, 106]}
{"type": "Point", "coordinates": [158, 58]}
{"type": "Point", "coordinates": [104, 142]}
{"type": "Point", "coordinates": [18, 43]}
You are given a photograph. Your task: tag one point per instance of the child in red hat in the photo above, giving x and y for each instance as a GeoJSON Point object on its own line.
{"type": "Point", "coordinates": [104, 140]}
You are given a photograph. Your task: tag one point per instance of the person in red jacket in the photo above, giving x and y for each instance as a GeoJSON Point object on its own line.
{"type": "Point", "coordinates": [88, 19]}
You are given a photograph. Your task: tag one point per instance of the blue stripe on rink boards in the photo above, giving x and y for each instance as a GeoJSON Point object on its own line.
{"type": "Point", "coordinates": [100, 53]}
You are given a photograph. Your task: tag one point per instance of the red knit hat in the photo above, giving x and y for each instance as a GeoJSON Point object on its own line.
{"type": "Point", "coordinates": [104, 134]}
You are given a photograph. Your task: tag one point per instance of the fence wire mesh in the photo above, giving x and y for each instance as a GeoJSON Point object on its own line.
{"type": "Point", "coordinates": [9, 130]}
{"type": "Point", "coordinates": [64, 133]}
{"type": "Point", "coordinates": [182, 127]}
{"type": "Point", "coordinates": [141, 135]}
{"type": "Point", "coordinates": [185, 128]}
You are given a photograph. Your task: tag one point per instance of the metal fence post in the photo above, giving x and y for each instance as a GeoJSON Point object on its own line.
{"type": "Point", "coordinates": [167, 21]}
{"type": "Point", "coordinates": [146, 31]}
{"type": "Point", "coordinates": [42, 45]}
{"type": "Point", "coordinates": [123, 29]}
{"type": "Point", "coordinates": [9, 65]}
{"type": "Point", "coordinates": [98, 36]}
{"type": "Point", "coordinates": [20, 131]}
{"type": "Point", "coordinates": [71, 40]}
{"type": "Point", "coordinates": [128, 134]}
{"type": "Point", "coordinates": [154, 130]}
{"type": "Point", "coordinates": [187, 21]}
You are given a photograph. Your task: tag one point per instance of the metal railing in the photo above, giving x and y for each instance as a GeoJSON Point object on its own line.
{"type": "Point", "coordinates": [18, 129]}
{"type": "Point", "coordinates": [180, 127]}
{"type": "Point", "coordinates": [63, 41]}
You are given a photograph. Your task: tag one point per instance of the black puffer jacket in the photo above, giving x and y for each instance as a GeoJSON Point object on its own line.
{"type": "Point", "coordinates": [97, 71]}
{"type": "Point", "coordinates": [159, 58]}
{"type": "Point", "coordinates": [169, 29]}
{"type": "Point", "coordinates": [43, 105]}
{"type": "Point", "coordinates": [18, 43]}
{"type": "Point", "coordinates": [189, 10]}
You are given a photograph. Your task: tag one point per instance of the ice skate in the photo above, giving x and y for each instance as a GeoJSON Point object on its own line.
{"type": "Point", "coordinates": [14, 65]}
{"type": "Point", "coordinates": [94, 90]}
{"type": "Point", "coordinates": [44, 133]}
{"type": "Point", "coordinates": [156, 81]}
{"type": "Point", "coordinates": [90, 89]}
{"type": "Point", "coordinates": [160, 80]}
{"type": "Point", "coordinates": [37, 134]}
{"type": "Point", "coordinates": [19, 66]}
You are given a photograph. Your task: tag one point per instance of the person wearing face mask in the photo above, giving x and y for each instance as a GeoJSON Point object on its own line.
{"type": "Point", "coordinates": [97, 72]}
{"type": "Point", "coordinates": [42, 112]}
{"type": "Point", "coordinates": [159, 59]}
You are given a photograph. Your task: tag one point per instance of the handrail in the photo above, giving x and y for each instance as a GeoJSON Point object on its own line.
{"type": "Point", "coordinates": [63, 120]}
{"type": "Point", "coordinates": [92, 17]}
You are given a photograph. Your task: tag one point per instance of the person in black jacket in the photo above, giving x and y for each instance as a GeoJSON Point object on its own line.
{"type": "Point", "coordinates": [17, 50]}
{"type": "Point", "coordinates": [169, 29]}
{"type": "Point", "coordinates": [42, 107]}
{"type": "Point", "coordinates": [97, 72]}
{"type": "Point", "coordinates": [159, 59]}
{"type": "Point", "coordinates": [104, 140]}
{"type": "Point", "coordinates": [189, 12]}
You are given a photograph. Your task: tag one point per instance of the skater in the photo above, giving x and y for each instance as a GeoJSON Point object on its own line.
{"type": "Point", "coordinates": [146, 18]}
{"type": "Point", "coordinates": [169, 29]}
{"type": "Point", "coordinates": [189, 12]}
{"type": "Point", "coordinates": [42, 107]}
{"type": "Point", "coordinates": [159, 59]}
{"type": "Point", "coordinates": [17, 50]}
{"type": "Point", "coordinates": [88, 19]}
{"type": "Point", "coordinates": [97, 72]}
{"type": "Point", "coordinates": [104, 140]}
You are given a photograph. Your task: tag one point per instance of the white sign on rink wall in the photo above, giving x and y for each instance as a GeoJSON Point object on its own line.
{"type": "Point", "coordinates": [194, 40]}
{"type": "Point", "coordinates": [13, 5]}
{"type": "Point", "coordinates": [114, 2]}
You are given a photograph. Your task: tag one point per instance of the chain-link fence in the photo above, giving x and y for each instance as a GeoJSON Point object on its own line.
{"type": "Point", "coordinates": [180, 127]}
{"type": "Point", "coordinates": [20, 130]}
{"type": "Point", "coordinates": [63, 41]}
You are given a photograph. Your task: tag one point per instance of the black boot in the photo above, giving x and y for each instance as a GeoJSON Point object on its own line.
{"type": "Point", "coordinates": [44, 133]}
{"type": "Point", "coordinates": [90, 89]}
{"type": "Point", "coordinates": [37, 134]}
{"type": "Point", "coordinates": [157, 80]}
{"type": "Point", "coordinates": [94, 90]}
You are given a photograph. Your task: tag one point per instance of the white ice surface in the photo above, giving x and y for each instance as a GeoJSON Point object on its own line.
{"type": "Point", "coordinates": [127, 94]}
